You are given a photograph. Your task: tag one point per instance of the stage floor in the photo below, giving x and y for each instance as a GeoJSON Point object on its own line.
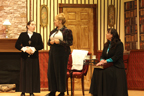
{"type": "Point", "coordinates": [77, 93]}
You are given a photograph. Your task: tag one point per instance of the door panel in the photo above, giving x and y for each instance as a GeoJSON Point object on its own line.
{"type": "Point", "coordinates": [73, 28]}
{"type": "Point", "coordinates": [80, 21]}
{"type": "Point", "coordinates": [84, 35]}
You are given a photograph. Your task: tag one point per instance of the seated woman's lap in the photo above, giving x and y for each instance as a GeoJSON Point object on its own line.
{"type": "Point", "coordinates": [103, 82]}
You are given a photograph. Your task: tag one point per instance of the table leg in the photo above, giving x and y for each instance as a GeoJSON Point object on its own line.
{"type": "Point", "coordinates": [90, 71]}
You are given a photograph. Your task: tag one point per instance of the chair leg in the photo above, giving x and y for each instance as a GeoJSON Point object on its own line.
{"type": "Point", "coordinates": [73, 86]}
{"type": "Point", "coordinates": [82, 81]}
{"type": "Point", "coordinates": [67, 85]}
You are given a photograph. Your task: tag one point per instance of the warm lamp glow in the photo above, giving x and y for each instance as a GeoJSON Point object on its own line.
{"type": "Point", "coordinates": [6, 22]}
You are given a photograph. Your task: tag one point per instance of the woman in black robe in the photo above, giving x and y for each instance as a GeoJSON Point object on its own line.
{"type": "Point", "coordinates": [112, 80]}
{"type": "Point", "coordinates": [29, 43]}
{"type": "Point", "coordinates": [60, 40]}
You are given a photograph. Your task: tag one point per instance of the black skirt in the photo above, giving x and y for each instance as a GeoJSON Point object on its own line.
{"type": "Point", "coordinates": [29, 75]}
{"type": "Point", "coordinates": [109, 82]}
{"type": "Point", "coordinates": [57, 68]}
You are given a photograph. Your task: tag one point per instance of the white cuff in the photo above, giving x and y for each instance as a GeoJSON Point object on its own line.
{"type": "Point", "coordinates": [24, 49]}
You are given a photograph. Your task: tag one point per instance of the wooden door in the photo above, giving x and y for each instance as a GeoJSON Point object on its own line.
{"type": "Point", "coordinates": [80, 21]}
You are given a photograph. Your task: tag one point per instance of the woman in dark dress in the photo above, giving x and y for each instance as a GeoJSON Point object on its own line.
{"type": "Point", "coordinates": [29, 43]}
{"type": "Point", "coordinates": [112, 80]}
{"type": "Point", "coordinates": [60, 40]}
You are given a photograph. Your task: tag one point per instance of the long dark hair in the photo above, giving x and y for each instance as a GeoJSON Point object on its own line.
{"type": "Point", "coordinates": [28, 23]}
{"type": "Point", "coordinates": [114, 39]}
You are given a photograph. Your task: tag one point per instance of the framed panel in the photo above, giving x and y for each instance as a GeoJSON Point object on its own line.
{"type": "Point", "coordinates": [111, 15]}
{"type": "Point", "coordinates": [44, 15]}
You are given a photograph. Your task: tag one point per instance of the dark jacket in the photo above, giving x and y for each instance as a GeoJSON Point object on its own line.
{"type": "Point", "coordinates": [23, 40]}
{"type": "Point", "coordinates": [116, 54]}
{"type": "Point", "coordinates": [67, 38]}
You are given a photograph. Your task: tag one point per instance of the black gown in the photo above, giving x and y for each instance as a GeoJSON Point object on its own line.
{"type": "Point", "coordinates": [110, 81]}
{"type": "Point", "coordinates": [29, 72]}
{"type": "Point", "coordinates": [58, 59]}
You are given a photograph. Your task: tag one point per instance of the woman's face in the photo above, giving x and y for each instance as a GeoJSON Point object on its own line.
{"type": "Point", "coordinates": [57, 22]}
{"type": "Point", "coordinates": [31, 27]}
{"type": "Point", "coordinates": [109, 35]}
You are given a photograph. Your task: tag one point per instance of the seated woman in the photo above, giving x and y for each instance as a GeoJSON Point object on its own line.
{"type": "Point", "coordinates": [112, 80]}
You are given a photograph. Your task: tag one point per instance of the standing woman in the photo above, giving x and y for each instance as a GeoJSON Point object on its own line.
{"type": "Point", "coordinates": [112, 80]}
{"type": "Point", "coordinates": [60, 40]}
{"type": "Point", "coordinates": [29, 43]}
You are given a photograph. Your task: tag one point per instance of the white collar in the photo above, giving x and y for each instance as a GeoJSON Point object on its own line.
{"type": "Point", "coordinates": [30, 32]}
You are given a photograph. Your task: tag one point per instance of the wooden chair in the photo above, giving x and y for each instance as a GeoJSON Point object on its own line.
{"type": "Point", "coordinates": [76, 74]}
{"type": "Point", "coordinates": [126, 61]}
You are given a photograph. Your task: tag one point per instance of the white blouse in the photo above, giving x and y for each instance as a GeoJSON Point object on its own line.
{"type": "Point", "coordinates": [30, 34]}
{"type": "Point", "coordinates": [57, 35]}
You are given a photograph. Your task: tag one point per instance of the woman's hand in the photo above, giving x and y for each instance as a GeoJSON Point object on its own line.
{"type": "Point", "coordinates": [99, 64]}
{"type": "Point", "coordinates": [29, 51]}
{"type": "Point", "coordinates": [56, 41]}
{"type": "Point", "coordinates": [52, 42]}
{"type": "Point", "coordinates": [102, 61]}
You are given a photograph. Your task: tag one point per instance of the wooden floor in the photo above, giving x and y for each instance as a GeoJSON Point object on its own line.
{"type": "Point", "coordinates": [77, 93]}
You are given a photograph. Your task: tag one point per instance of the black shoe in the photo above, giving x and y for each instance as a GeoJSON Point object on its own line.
{"type": "Point", "coordinates": [31, 94]}
{"type": "Point", "coordinates": [51, 94]}
{"type": "Point", "coordinates": [61, 94]}
{"type": "Point", "coordinates": [22, 94]}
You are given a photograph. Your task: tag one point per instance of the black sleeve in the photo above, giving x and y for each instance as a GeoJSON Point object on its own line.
{"type": "Point", "coordinates": [49, 38]}
{"type": "Point", "coordinates": [69, 39]}
{"type": "Point", "coordinates": [18, 44]}
{"type": "Point", "coordinates": [39, 46]}
{"type": "Point", "coordinates": [49, 42]}
{"type": "Point", "coordinates": [118, 52]}
{"type": "Point", "coordinates": [103, 56]}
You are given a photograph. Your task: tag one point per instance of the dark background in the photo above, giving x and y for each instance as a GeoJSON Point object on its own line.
{"type": "Point", "coordinates": [10, 68]}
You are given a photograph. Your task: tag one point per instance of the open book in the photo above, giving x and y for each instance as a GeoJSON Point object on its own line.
{"type": "Point", "coordinates": [104, 66]}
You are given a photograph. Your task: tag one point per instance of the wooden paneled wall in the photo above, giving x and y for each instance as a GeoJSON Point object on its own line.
{"type": "Point", "coordinates": [33, 13]}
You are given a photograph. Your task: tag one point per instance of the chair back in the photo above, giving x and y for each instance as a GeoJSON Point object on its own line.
{"type": "Point", "coordinates": [126, 61]}
{"type": "Point", "coordinates": [98, 55]}
{"type": "Point", "coordinates": [85, 67]}
{"type": "Point", "coordinates": [69, 66]}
